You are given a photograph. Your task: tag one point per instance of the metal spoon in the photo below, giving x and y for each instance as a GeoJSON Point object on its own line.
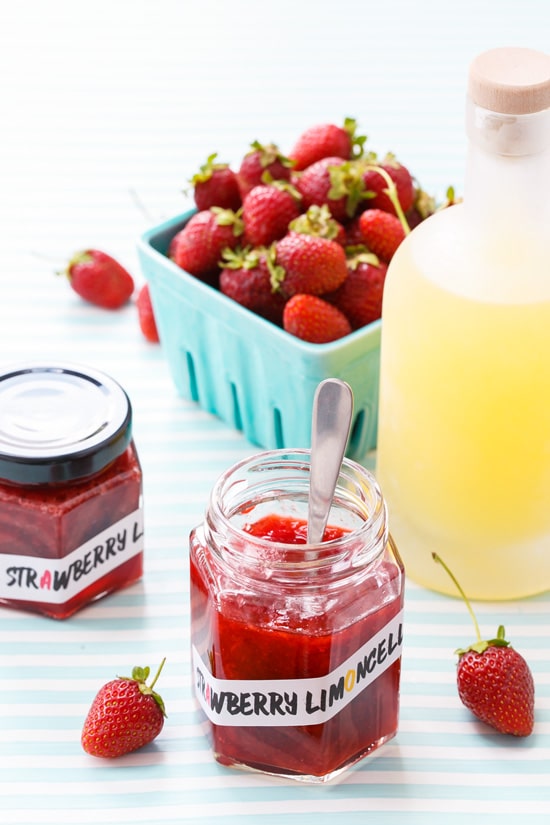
{"type": "Point", "coordinates": [330, 426]}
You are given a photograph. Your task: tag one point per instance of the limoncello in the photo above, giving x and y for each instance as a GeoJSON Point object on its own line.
{"type": "Point", "coordinates": [463, 455]}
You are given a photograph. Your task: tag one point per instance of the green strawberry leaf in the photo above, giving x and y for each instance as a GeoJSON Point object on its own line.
{"type": "Point", "coordinates": [140, 675]}
{"type": "Point", "coordinates": [483, 644]}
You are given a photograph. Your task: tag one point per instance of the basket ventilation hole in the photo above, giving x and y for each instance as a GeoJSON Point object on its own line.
{"type": "Point", "coordinates": [193, 390]}
{"type": "Point", "coordinates": [358, 430]}
{"type": "Point", "coordinates": [237, 419]}
{"type": "Point", "coordinates": [278, 429]}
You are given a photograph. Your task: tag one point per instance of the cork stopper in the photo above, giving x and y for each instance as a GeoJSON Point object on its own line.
{"type": "Point", "coordinates": [514, 81]}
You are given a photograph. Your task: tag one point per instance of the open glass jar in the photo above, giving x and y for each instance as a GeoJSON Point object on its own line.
{"type": "Point", "coordinates": [296, 647]}
{"type": "Point", "coordinates": [71, 525]}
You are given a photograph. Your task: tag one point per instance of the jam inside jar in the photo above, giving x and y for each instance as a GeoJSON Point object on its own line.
{"type": "Point", "coordinates": [296, 647]}
{"type": "Point", "coordinates": [71, 512]}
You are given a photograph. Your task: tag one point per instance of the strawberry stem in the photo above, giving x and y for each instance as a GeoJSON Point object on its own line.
{"type": "Point", "coordinates": [151, 686]}
{"type": "Point", "coordinates": [357, 141]}
{"type": "Point", "coordinates": [391, 192]}
{"type": "Point", "coordinates": [462, 593]}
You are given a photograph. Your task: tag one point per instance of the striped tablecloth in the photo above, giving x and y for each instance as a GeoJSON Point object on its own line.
{"type": "Point", "coordinates": [107, 109]}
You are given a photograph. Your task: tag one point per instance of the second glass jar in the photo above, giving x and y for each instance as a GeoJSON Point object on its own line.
{"type": "Point", "coordinates": [71, 512]}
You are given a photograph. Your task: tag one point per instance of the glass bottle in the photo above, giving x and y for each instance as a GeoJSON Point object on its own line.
{"type": "Point", "coordinates": [296, 647]}
{"type": "Point", "coordinates": [71, 524]}
{"type": "Point", "coordinates": [463, 450]}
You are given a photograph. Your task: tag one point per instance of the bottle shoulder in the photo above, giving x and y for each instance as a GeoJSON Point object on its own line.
{"type": "Point", "coordinates": [430, 252]}
{"type": "Point", "coordinates": [438, 233]}
{"type": "Point", "coordinates": [453, 252]}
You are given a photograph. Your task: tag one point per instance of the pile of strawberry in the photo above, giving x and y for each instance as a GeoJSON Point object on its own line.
{"type": "Point", "coordinates": [303, 240]}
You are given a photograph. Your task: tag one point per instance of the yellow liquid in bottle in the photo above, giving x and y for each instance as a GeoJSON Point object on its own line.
{"type": "Point", "coordinates": [464, 423]}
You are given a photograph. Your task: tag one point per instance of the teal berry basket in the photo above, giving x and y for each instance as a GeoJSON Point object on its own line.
{"type": "Point", "coordinates": [247, 371]}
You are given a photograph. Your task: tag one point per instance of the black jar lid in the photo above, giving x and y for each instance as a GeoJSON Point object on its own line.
{"type": "Point", "coordinates": [60, 422]}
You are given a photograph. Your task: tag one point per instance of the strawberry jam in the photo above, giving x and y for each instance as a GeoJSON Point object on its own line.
{"type": "Point", "coordinates": [296, 647]}
{"type": "Point", "coordinates": [70, 489]}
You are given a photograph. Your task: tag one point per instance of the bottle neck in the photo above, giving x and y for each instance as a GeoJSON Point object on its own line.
{"type": "Point", "coordinates": [508, 171]}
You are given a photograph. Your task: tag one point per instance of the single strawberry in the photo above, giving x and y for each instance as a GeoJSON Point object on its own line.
{"type": "Point", "coordinates": [360, 296]}
{"type": "Point", "coordinates": [335, 182]}
{"type": "Point", "coordinates": [262, 164]}
{"type": "Point", "coordinates": [146, 315]}
{"type": "Point", "coordinates": [125, 715]}
{"type": "Point", "coordinates": [327, 140]}
{"type": "Point", "coordinates": [246, 279]}
{"type": "Point", "coordinates": [267, 211]}
{"type": "Point", "coordinates": [319, 221]}
{"type": "Point", "coordinates": [494, 681]}
{"type": "Point", "coordinates": [382, 232]}
{"type": "Point", "coordinates": [99, 279]}
{"type": "Point", "coordinates": [376, 184]}
{"type": "Point", "coordinates": [315, 320]}
{"type": "Point", "coordinates": [198, 247]}
{"type": "Point", "coordinates": [306, 263]}
{"type": "Point", "coordinates": [216, 184]}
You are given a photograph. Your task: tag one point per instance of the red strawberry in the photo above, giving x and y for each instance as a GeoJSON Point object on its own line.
{"type": "Point", "coordinates": [216, 184]}
{"type": "Point", "coordinates": [246, 279]}
{"type": "Point", "coordinates": [262, 164]}
{"type": "Point", "coordinates": [146, 316]}
{"type": "Point", "coordinates": [326, 140]}
{"type": "Point", "coordinates": [377, 184]}
{"type": "Point", "coordinates": [494, 681]}
{"type": "Point", "coordinates": [99, 279]}
{"type": "Point", "coordinates": [382, 232]}
{"type": "Point", "coordinates": [360, 296]}
{"type": "Point", "coordinates": [318, 221]}
{"type": "Point", "coordinates": [267, 211]}
{"type": "Point", "coordinates": [334, 182]}
{"type": "Point", "coordinates": [312, 319]}
{"type": "Point", "coordinates": [125, 715]}
{"type": "Point", "coordinates": [197, 247]}
{"type": "Point", "coordinates": [307, 263]}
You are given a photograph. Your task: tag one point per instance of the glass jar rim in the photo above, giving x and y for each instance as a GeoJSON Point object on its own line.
{"type": "Point", "coordinates": [357, 547]}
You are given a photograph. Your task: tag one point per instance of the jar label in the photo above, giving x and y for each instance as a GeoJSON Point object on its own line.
{"type": "Point", "coordinates": [55, 581]}
{"type": "Point", "coordinates": [291, 702]}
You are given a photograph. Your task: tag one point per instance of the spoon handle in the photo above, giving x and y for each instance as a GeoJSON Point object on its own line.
{"type": "Point", "coordinates": [330, 426]}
